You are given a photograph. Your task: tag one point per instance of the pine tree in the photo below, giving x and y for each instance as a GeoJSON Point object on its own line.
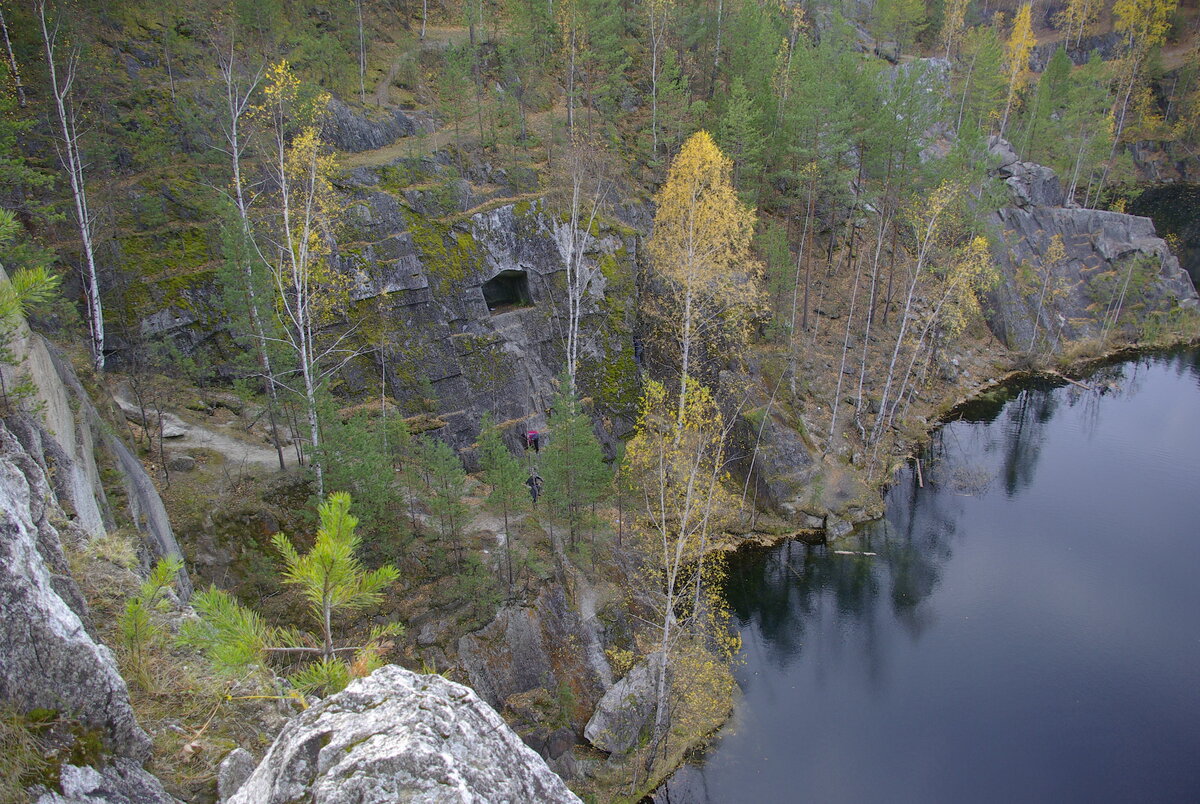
{"type": "Point", "coordinates": [446, 485]}
{"type": "Point", "coordinates": [901, 21]}
{"type": "Point", "coordinates": [354, 454]}
{"type": "Point", "coordinates": [1044, 138]}
{"type": "Point", "coordinates": [332, 580]}
{"type": "Point", "coordinates": [740, 135]}
{"type": "Point", "coordinates": [981, 80]}
{"type": "Point", "coordinates": [503, 473]}
{"type": "Point", "coordinates": [572, 463]}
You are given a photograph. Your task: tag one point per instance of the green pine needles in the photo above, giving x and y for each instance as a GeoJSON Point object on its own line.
{"type": "Point", "coordinates": [332, 580]}
{"type": "Point", "coordinates": [138, 629]}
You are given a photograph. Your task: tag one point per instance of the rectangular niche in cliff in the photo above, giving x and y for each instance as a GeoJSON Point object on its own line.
{"type": "Point", "coordinates": [507, 290]}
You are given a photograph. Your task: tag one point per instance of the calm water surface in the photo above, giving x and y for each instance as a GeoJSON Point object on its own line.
{"type": "Point", "coordinates": [1028, 632]}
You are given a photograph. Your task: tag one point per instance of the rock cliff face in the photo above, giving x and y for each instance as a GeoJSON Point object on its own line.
{"type": "Point", "coordinates": [74, 434]}
{"type": "Point", "coordinates": [473, 311]}
{"type": "Point", "coordinates": [48, 658]}
{"type": "Point", "coordinates": [1110, 263]}
{"type": "Point", "coordinates": [524, 657]}
{"type": "Point", "coordinates": [352, 132]}
{"type": "Point", "coordinates": [398, 736]}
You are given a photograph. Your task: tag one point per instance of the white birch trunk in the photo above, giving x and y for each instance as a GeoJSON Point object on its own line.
{"type": "Point", "coordinates": [72, 161]}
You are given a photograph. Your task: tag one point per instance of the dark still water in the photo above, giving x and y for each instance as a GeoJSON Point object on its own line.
{"type": "Point", "coordinates": [1029, 630]}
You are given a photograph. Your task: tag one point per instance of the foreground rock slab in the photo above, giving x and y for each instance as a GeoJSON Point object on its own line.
{"type": "Point", "coordinates": [399, 736]}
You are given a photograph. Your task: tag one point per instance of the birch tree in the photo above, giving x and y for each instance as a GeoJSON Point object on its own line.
{"type": "Point", "coordinates": [590, 186]}
{"type": "Point", "coordinates": [926, 222]}
{"type": "Point", "coordinates": [1016, 58]}
{"type": "Point", "coordinates": [237, 92]}
{"type": "Point", "coordinates": [1145, 24]}
{"type": "Point", "coordinates": [13, 69]}
{"type": "Point", "coordinates": [1076, 17]}
{"type": "Point", "coordinates": [362, 53]}
{"type": "Point", "coordinates": [62, 81]}
{"type": "Point", "coordinates": [953, 25]}
{"type": "Point", "coordinates": [675, 462]}
{"type": "Point", "coordinates": [700, 248]}
{"type": "Point", "coordinates": [307, 291]}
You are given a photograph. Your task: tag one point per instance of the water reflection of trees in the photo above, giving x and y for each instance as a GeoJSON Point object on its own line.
{"type": "Point", "coordinates": [1023, 436]}
{"type": "Point", "coordinates": [780, 590]}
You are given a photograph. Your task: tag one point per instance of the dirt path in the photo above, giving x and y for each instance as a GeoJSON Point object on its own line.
{"type": "Point", "coordinates": [236, 450]}
{"type": "Point", "coordinates": [239, 449]}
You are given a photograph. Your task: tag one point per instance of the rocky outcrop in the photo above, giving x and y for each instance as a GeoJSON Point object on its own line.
{"type": "Point", "coordinates": [48, 660]}
{"type": "Point", "coordinates": [350, 131]}
{"type": "Point", "coordinates": [74, 434]}
{"type": "Point", "coordinates": [398, 736]}
{"type": "Point", "coordinates": [1109, 262]}
{"type": "Point", "coordinates": [530, 648]}
{"type": "Point", "coordinates": [627, 710]}
{"type": "Point", "coordinates": [1029, 184]}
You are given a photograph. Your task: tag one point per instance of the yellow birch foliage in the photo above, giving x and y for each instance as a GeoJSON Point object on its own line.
{"type": "Point", "coordinates": [1020, 42]}
{"type": "Point", "coordinates": [675, 463]}
{"type": "Point", "coordinates": [1077, 17]}
{"type": "Point", "coordinates": [702, 236]}
{"type": "Point", "coordinates": [952, 27]}
{"type": "Point", "coordinates": [702, 232]}
{"type": "Point", "coordinates": [305, 207]}
{"type": "Point", "coordinates": [1144, 22]}
{"type": "Point", "coordinates": [970, 272]}
{"type": "Point", "coordinates": [1017, 49]}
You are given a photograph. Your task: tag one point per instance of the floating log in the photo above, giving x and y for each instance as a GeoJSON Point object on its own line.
{"type": "Point", "coordinates": [1073, 382]}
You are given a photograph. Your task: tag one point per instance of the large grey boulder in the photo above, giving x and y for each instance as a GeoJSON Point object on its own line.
{"type": "Point", "coordinates": [396, 736]}
{"type": "Point", "coordinates": [627, 709]}
{"type": "Point", "coordinates": [48, 660]}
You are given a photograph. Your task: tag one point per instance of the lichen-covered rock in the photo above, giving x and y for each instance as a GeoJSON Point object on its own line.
{"type": "Point", "coordinates": [119, 781]}
{"type": "Point", "coordinates": [397, 736]}
{"type": "Point", "coordinates": [1029, 184]}
{"type": "Point", "coordinates": [627, 709]}
{"type": "Point", "coordinates": [47, 658]}
{"type": "Point", "coordinates": [233, 772]}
